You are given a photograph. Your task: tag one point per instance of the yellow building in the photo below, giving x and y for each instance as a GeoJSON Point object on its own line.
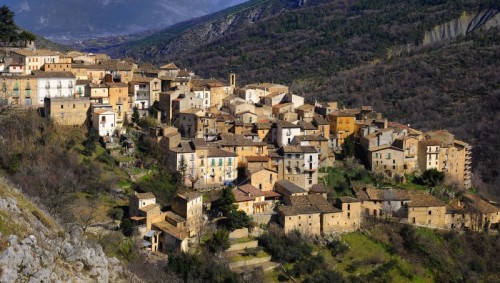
{"type": "Point", "coordinates": [263, 130]}
{"type": "Point", "coordinates": [118, 98]}
{"type": "Point", "coordinates": [19, 90]}
{"type": "Point", "coordinates": [262, 178]}
{"type": "Point", "coordinates": [57, 67]}
{"type": "Point", "coordinates": [98, 93]}
{"type": "Point", "coordinates": [342, 125]}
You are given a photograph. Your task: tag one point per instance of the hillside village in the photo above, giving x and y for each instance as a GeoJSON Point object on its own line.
{"type": "Point", "coordinates": [262, 140]}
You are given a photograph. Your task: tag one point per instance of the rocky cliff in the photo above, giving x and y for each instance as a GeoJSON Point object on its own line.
{"type": "Point", "coordinates": [467, 23]}
{"type": "Point", "coordinates": [34, 248]}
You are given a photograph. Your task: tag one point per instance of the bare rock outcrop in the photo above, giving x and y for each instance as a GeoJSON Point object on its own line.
{"type": "Point", "coordinates": [34, 248]}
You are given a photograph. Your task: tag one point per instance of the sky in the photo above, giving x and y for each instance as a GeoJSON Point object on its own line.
{"type": "Point", "coordinates": [83, 17]}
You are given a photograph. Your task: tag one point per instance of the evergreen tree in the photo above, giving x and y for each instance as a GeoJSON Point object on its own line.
{"type": "Point", "coordinates": [135, 116]}
{"type": "Point", "coordinates": [183, 168]}
{"type": "Point", "coordinates": [125, 120]}
{"type": "Point", "coordinates": [8, 30]}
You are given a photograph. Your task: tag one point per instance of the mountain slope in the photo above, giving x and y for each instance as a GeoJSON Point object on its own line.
{"type": "Point", "coordinates": [190, 35]}
{"type": "Point", "coordinates": [34, 248]}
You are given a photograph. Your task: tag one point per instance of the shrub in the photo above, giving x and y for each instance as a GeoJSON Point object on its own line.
{"type": "Point", "coordinates": [219, 241]}
{"type": "Point", "coordinates": [115, 213]}
{"type": "Point", "coordinates": [280, 247]}
{"type": "Point", "coordinates": [126, 227]}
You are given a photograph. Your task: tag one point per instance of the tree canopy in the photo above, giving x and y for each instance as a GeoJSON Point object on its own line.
{"type": "Point", "coordinates": [9, 32]}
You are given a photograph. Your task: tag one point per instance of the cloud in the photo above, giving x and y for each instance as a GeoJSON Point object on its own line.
{"type": "Point", "coordinates": [24, 7]}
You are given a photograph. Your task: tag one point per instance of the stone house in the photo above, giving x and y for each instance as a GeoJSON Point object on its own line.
{"type": "Point", "coordinates": [189, 205]}
{"type": "Point", "coordinates": [382, 203]}
{"type": "Point", "coordinates": [262, 178]}
{"type": "Point", "coordinates": [250, 199]}
{"type": "Point", "coordinates": [273, 99]}
{"type": "Point", "coordinates": [350, 219]}
{"type": "Point", "coordinates": [263, 130]}
{"type": "Point", "coordinates": [280, 109]}
{"type": "Point", "coordinates": [68, 111]}
{"type": "Point", "coordinates": [288, 189]}
{"type": "Point", "coordinates": [387, 159]}
{"type": "Point", "coordinates": [305, 112]}
{"type": "Point", "coordinates": [303, 218]}
{"type": "Point", "coordinates": [426, 210]}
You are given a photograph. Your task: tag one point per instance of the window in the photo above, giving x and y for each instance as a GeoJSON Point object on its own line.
{"type": "Point", "coordinates": [430, 212]}
{"type": "Point", "coordinates": [220, 161]}
{"type": "Point", "coordinates": [62, 106]}
{"type": "Point", "coordinates": [213, 162]}
{"type": "Point", "coordinates": [348, 207]}
{"type": "Point", "coordinates": [230, 162]}
{"type": "Point", "coordinates": [349, 215]}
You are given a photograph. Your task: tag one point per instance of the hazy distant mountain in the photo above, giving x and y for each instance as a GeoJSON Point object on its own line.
{"type": "Point", "coordinates": [56, 19]}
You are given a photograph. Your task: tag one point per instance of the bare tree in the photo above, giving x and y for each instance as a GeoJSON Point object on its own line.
{"type": "Point", "coordinates": [193, 180]}
{"type": "Point", "coordinates": [85, 211]}
{"type": "Point", "coordinates": [389, 204]}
